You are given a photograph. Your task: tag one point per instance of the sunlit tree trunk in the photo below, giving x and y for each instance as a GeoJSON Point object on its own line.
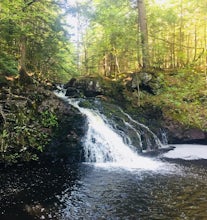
{"type": "Point", "coordinates": [86, 59]}
{"type": "Point", "coordinates": [105, 65]}
{"type": "Point", "coordinates": [205, 46]}
{"type": "Point", "coordinates": [142, 21]}
{"type": "Point", "coordinates": [188, 49]}
{"type": "Point", "coordinates": [116, 67]}
{"type": "Point", "coordinates": [181, 38]}
{"type": "Point", "coordinates": [138, 52]}
{"type": "Point", "coordinates": [22, 50]}
{"type": "Point", "coordinates": [173, 47]}
{"type": "Point", "coordinates": [78, 32]}
{"type": "Point", "coordinates": [195, 43]}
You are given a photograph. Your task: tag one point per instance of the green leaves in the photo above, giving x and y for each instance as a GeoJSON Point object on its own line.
{"type": "Point", "coordinates": [48, 119]}
{"type": "Point", "coordinates": [40, 24]}
{"type": "Point", "coordinates": [184, 98]}
{"type": "Point", "coordinates": [110, 41]}
{"type": "Point", "coordinates": [25, 136]}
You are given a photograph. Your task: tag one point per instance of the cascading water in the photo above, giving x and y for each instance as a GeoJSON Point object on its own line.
{"type": "Point", "coordinates": [176, 190]}
{"type": "Point", "coordinates": [103, 146]}
{"type": "Point", "coordinates": [150, 137]}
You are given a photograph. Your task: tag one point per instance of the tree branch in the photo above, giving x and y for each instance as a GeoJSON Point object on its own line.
{"type": "Point", "coordinates": [28, 4]}
{"type": "Point", "coordinates": [176, 44]}
{"type": "Point", "coordinates": [2, 114]}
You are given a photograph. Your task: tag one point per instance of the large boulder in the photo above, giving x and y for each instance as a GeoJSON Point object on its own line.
{"type": "Point", "coordinates": [178, 133]}
{"type": "Point", "coordinates": [35, 123]}
{"type": "Point", "coordinates": [66, 142]}
{"type": "Point", "coordinates": [85, 86]}
{"type": "Point", "coordinates": [146, 81]}
{"type": "Point", "coordinates": [96, 86]}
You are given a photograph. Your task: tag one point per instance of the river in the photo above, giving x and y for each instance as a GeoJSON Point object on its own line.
{"type": "Point", "coordinates": [113, 183]}
{"type": "Point", "coordinates": [175, 190]}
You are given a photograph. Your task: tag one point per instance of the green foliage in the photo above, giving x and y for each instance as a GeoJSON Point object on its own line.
{"type": "Point", "coordinates": [111, 42]}
{"type": "Point", "coordinates": [42, 26]}
{"type": "Point", "coordinates": [184, 98]}
{"type": "Point", "coordinates": [111, 38]}
{"type": "Point", "coordinates": [48, 119]}
{"type": "Point", "coordinates": [3, 136]}
{"type": "Point", "coordinates": [8, 64]}
{"type": "Point", "coordinates": [26, 136]}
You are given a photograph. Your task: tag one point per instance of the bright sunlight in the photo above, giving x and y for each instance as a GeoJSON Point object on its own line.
{"type": "Point", "coordinates": [161, 2]}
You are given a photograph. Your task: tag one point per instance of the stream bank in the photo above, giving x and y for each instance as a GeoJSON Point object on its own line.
{"type": "Point", "coordinates": [35, 124]}
{"type": "Point", "coordinates": [154, 108]}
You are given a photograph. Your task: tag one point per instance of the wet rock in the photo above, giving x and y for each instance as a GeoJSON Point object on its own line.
{"type": "Point", "coordinates": [70, 83]}
{"type": "Point", "coordinates": [175, 132]}
{"type": "Point", "coordinates": [73, 92]}
{"type": "Point", "coordinates": [35, 123]}
{"type": "Point", "coordinates": [157, 152]}
{"type": "Point", "coordinates": [195, 134]}
{"type": "Point", "coordinates": [180, 134]}
{"type": "Point", "coordinates": [66, 141]}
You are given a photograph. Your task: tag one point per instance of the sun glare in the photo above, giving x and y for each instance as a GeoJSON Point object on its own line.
{"type": "Point", "coordinates": [161, 2]}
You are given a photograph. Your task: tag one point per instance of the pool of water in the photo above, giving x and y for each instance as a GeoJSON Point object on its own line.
{"type": "Point", "coordinates": [176, 189]}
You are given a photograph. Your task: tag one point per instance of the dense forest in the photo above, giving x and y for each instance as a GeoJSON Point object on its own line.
{"type": "Point", "coordinates": [55, 40]}
{"type": "Point", "coordinates": [34, 37]}
{"type": "Point", "coordinates": [124, 36]}
{"type": "Point", "coordinates": [111, 37]}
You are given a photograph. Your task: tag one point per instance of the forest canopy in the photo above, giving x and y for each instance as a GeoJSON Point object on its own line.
{"type": "Point", "coordinates": [112, 37]}
{"type": "Point", "coordinates": [112, 42]}
{"type": "Point", "coordinates": [33, 35]}
{"type": "Point", "coordinates": [147, 54]}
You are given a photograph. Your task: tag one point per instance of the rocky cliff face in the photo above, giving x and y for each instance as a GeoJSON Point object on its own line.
{"type": "Point", "coordinates": [35, 123]}
{"type": "Point", "coordinates": [149, 114]}
{"type": "Point", "coordinates": [65, 143]}
{"type": "Point", "coordinates": [178, 133]}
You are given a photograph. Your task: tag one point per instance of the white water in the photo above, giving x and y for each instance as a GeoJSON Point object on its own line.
{"type": "Point", "coordinates": [104, 147]}
{"type": "Point", "coordinates": [144, 128]}
{"type": "Point", "coordinates": [187, 152]}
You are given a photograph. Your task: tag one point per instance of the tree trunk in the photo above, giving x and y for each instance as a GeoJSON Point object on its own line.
{"type": "Point", "coordinates": [195, 44]}
{"type": "Point", "coordinates": [86, 59]}
{"type": "Point", "coordinates": [22, 48]}
{"type": "Point", "coordinates": [205, 48]}
{"type": "Point", "coordinates": [181, 38]}
{"type": "Point", "coordinates": [142, 21]}
{"type": "Point", "coordinates": [24, 78]}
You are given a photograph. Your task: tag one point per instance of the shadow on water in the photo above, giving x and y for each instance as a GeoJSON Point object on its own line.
{"type": "Point", "coordinates": [168, 189]}
{"type": "Point", "coordinates": [85, 191]}
{"type": "Point", "coordinates": [33, 192]}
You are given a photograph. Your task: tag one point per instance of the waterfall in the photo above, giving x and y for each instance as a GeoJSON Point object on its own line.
{"type": "Point", "coordinates": [103, 145]}
{"type": "Point", "coordinates": [151, 139]}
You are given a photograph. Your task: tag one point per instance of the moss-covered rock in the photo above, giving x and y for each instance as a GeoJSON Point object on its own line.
{"type": "Point", "coordinates": [166, 102]}
{"type": "Point", "coordinates": [92, 86]}
{"type": "Point", "coordinates": [34, 122]}
{"type": "Point", "coordinates": [66, 141]}
{"type": "Point", "coordinates": [148, 81]}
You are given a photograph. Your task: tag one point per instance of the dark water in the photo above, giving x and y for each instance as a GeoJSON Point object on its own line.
{"type": "Point", "coordinates": [178, 190]}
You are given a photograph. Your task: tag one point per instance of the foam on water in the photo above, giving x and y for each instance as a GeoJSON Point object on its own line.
{"type": "Point", "coordinates": [187, 152]}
